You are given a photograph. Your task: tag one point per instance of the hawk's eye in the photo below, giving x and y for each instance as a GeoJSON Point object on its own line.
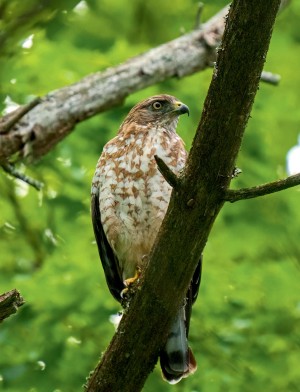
{"type": "Point", "coordinates": [157, 105]}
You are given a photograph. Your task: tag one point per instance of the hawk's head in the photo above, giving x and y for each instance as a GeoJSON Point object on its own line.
{"type": "Point", "coordinates": [159, 111]}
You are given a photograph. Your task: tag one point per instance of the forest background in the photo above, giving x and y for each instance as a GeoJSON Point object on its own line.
{"type": "Point", "coordinates": [245, 329]}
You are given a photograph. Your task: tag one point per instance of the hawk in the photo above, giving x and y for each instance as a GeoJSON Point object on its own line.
{"type": "Point", "coordinates": [129, 201]}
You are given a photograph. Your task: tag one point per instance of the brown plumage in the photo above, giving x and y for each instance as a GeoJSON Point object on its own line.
{"type": "Point", "coordinates": [129, 201]}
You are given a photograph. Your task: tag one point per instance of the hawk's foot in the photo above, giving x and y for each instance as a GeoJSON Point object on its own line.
{"type": "Point", "coordinates": [128, 282]}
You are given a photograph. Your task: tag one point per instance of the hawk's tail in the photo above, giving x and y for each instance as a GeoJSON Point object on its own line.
{"type": "Point", "coordinates": [176, 359]}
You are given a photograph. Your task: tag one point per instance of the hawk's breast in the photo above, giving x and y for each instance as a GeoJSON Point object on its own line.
{"type": "Point", "coordinates": [133, 194]}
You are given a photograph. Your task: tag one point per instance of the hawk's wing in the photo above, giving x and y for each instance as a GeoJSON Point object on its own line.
{"type": "Point", "coordinates": [108, 258]}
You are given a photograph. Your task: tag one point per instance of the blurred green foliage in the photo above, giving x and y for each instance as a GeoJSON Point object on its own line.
{"type": "Point", "coordinates": [245, 328]}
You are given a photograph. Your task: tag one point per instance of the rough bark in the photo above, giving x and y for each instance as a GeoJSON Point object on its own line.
{"type": "Point", "coordinates": [58, 112]}
{"type": "Point", "coordinates": [9, 303]}
{"type": "Point", "coordinates": [195, 202]}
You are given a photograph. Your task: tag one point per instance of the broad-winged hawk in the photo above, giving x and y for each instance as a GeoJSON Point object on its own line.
{"type": "Point", "coordinates": [129, 201]}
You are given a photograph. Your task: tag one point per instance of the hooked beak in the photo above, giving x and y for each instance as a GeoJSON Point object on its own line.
{"type": "Point", "coordinates": [181, 108]}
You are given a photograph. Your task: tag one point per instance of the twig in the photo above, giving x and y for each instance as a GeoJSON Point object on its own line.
{"type": "Point", "coordinates": [262, 190]}
{"type": "Point", "coordinates": [269, 77]}
{"type": "Point", "coordinates": [10, 169]}
{"type": "Point", "coordinates": [9, 303]}
{"type": "Point", "coordinates": [167, 173]}
{"type": "Point", "coordinates": [18, 114]}
{"type": "Point", "coordinates": [283, 5]}
{"type": "Point", "coordinates": [198, 15]}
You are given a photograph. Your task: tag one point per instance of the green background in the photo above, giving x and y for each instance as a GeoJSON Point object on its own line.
{"type": "Point", "coordinates": [245, 329]}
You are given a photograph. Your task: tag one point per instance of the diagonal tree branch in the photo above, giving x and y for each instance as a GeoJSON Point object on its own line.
{"type": "Point", "coordinates": [134, 348]}
{"type": "Point", "coordinates": [59, 111]}
{"type": "Point", "coordinates": [262, 190]}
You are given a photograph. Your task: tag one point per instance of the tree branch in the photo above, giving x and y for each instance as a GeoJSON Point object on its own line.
{"type": "Point", "coordinates": [167, 173]}
{"type": "Point", "coordinates": [262, 190]}
{"type": "Point", "coordinates": [9, 303]}
{"type": "Point", "coordinates": [134, 348]}
{"type": "Point", "coordinates": [11, 170]}
{"type": "Point", "coordinates": [59, 111]}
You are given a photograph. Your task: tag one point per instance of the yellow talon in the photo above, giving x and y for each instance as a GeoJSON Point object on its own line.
{"type": "Point", "coordinates": [128, 282]}
{"type": "Point", "coordinates": [123, 292]}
